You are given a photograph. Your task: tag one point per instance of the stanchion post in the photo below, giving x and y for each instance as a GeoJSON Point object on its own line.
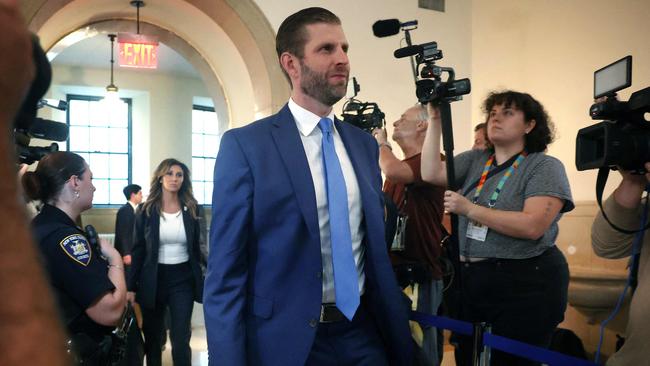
{"type": "Point", "coordinates": [477, 344]}
{"type": "Point", "coordinates": [487, 350]}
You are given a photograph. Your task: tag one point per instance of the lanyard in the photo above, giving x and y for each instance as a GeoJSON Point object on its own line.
{"type": "Point", "coordinates": [486, 170]}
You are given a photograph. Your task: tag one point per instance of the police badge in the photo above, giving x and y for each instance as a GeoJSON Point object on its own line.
{"type": "Point", "coordinates": [76, 247]}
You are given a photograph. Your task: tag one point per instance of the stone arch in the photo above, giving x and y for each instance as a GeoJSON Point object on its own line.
{"type": "Point", "coordinates": [230, 43]}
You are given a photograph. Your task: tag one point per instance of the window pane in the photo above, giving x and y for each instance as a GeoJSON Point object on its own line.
{"type": "Point", "coordinates": [198, 192]}
{"type": "Point", "coordinates": [119, 117]}
{"type": "Point", "coordinates": [208, 193]}
{"type": "Point", "coordinates": [197, 121]}
{"type": "Point", "coordinates": [211, 146]}
{"type": "Point", "coordinates": [209, 169]}
{"type": "Point", "coordinates": [197, 169]}
{"type": "Point", "coordinates": [211, 123]}
{"type": "Point", "coordinates": [99, 139]}
{"type": "Point", "coordinates": [79, 138]}
{"type": "Point", "coordinates": [116, 187]}
{"type": "Point", "coordinates": [98, 114]}
{"type": "Point", "coordinates": [119, 166]}
{"type": "Point", "coordinates": [101, 191]}
{"type": "Point", "coordinates": [78, 112]}
{"type": "Point", "coordinates": [119, 140]}
{"type": "Point", "coordinates": [197, 145]}
{"type": "Point", "coordinates": [99, 165]}
{"type": "Point", "coordinates": [86, 158]}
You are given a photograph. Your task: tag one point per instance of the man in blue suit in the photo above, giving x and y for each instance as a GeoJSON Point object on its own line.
{"type": "Point", "coordinates": [298, 271]}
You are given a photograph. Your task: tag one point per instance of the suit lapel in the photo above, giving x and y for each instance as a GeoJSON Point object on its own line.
{"type": "Point", "coordinates": [287, 139]}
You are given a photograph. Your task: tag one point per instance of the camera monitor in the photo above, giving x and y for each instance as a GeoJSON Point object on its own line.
{"type": "Point", "coordinates": [613, 77]}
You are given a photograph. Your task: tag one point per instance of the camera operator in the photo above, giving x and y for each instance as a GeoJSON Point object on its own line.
{"type": "Point", "coordinates": [30, 333]}
{"type": "Point", "coordinates": [511, 199]}
{"type": "Point", "coordinates": [623, 208]}
{"type": "Point", "coordinates": [91, 290]}
{"type": "Point", "coordinates": [421, 202]}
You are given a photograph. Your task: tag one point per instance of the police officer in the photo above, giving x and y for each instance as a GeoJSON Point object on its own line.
{"type": "Point", "coordinates": [88, 281]}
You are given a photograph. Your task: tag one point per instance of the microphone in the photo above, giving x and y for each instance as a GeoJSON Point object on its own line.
{"type": "Point", "coordinates": [385, 28]}
{"type": "Point", "coordinates": [93, 239]}
{"type": "Point", "coordinates": [389, 27]}
{"type": "Point", "coordinates": [408, 51]}
{"type": "Point", "coordinates": [48, 130]}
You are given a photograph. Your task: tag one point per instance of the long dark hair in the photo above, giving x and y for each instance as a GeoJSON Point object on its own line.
{"type": "Point", "coordinates": [185, 193]}
{"type": "Point", "coordinates": [51, 174]}
{"type": "Point", "coordinates": [538, 139]}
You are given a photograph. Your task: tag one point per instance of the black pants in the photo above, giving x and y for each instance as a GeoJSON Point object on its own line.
{"type": "Point", "coordinates": [175, 290]}
{"type": "Point", "coordinates": [522, 299]}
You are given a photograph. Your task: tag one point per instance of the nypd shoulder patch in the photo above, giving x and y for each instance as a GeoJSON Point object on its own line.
{"type": "Point", "coordinates": [76, 247]}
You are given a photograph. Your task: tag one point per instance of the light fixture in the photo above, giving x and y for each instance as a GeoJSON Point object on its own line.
{"type": "Point", "coordinates": [111, 89]}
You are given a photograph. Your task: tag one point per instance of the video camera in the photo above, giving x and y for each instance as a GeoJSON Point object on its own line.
{"type": "Point", "coordinates": [27, 125]}
{"type": "Point", "coordinates": [429, 86]}
{"type": "Point", "coordinates": [623, 140]}
{"type": "Point", "coordinates": [366, 116]}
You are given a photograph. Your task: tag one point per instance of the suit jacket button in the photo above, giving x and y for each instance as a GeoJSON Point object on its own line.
{"type": "Point", "coordinates": [313, 323]}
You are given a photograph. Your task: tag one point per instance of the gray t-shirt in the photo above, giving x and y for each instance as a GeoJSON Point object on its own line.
{"type": "Point", "coordinates": [537, 175]}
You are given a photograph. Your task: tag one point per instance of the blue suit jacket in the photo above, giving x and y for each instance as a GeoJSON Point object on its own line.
{"type": "Point", "coordinates": [263, 287]}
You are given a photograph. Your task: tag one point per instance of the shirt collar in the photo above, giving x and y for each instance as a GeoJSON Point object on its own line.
{"type": "Point", "coordinates": [56, 214]}
{"type": "Point", "coordinates": [306, 121]}
{"type": "Point", "coordinates": [132, 205]}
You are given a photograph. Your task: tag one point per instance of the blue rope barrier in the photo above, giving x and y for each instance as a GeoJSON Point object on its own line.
{"type": "Point", "coordinates": [504, 344]}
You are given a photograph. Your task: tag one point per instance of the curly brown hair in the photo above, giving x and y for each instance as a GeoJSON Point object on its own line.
{"type": "Point", "coordinates": [543, 134]}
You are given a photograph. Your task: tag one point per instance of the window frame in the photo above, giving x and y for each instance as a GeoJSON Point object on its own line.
{"type": "Point", "coordinates": [129, 153]}
{"type": "Point", "coordinates": [203, 108]}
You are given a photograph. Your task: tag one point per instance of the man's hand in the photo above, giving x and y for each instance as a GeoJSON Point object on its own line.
{"type": "Point", "coordinates": [17, 65]}
{"type": "Point", "coordinates": [127, 260]}
{"type": "Point", "coordinates": [380, 135]}
{"type": "Point", "coordinates": [434, 113]}
{"type": "Point", "coordinates": [628, 193]}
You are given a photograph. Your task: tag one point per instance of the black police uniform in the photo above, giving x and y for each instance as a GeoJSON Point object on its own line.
{"type": "Point", "coordinates": [78, 275]}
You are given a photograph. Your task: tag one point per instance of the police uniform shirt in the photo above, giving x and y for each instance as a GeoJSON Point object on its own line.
{"type": "Point", "coordinates": [78, 275]}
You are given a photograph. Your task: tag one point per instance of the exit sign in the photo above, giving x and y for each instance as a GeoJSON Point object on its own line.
{"type": "Point", "coordinates": [137, 50]}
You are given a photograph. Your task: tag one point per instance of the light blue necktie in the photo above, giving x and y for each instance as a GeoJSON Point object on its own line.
{"type": "Point", "coordinates": [346, 277]}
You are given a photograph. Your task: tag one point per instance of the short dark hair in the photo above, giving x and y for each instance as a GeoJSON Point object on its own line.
{"type": "Point", "coordinates": [292, 35]}
{"type": "Point", "coordinates": [480, 126]}
{"type": "Point", "coordinates": [51, 174]}
{"type": "Point", "coordinates": [538, 139]}
{"type": "Point", "coordinates": [131, 189]}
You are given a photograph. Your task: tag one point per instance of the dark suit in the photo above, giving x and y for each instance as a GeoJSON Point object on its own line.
{"type": "Point", "coordinates": [158, 286]}
{"type": "Point", "coordinates": [263, 289]}
{"type": "Point", "coordinates": [124, 222]}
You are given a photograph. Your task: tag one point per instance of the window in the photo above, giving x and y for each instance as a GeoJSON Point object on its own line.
{"type": "Point", "coordinates": [102, 136]}
{"type": "Point", "coordinates": [205, 145]}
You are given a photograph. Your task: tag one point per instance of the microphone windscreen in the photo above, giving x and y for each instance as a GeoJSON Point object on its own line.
{"type": "Point", "coordinates": [48, 130]}
{"type": "Point", "coordinates": [407, 51]}
{"type": "Point", "coordinates": [385, 28]}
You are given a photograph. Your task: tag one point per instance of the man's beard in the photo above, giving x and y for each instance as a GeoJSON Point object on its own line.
{"type": "Point", "coordinates": [316, 86]}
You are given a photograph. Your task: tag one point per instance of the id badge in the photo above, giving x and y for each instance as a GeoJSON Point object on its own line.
{"type": "Point", "coordinates": [476, 231]}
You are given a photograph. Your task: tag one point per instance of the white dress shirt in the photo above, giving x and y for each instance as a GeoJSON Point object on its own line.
{"type": "Point", "coordinates": [311, 137]}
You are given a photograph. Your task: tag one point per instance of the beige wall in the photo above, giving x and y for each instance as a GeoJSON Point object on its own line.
{"type": "Point", "coordinates": [384, 79]}
{"type": "Point", "coordinates": [551, 49]}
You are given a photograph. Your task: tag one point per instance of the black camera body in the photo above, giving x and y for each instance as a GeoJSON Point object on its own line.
{"type": "Point", "coordinates": [623, 139]}
{"type": "Point", "coordinates": [364, 115]}
{"type": "Point", "coordinates": [429, 86]}
{"type": "Point", "coordinates": [27, 125]}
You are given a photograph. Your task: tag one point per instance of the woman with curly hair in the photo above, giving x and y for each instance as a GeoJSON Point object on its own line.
{"type": "Point", "coordinates": [511, 198]}
{"type": "Point", "coordinates": [167, 261]}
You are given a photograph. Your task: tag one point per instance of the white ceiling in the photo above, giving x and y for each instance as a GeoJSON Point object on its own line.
{"type": "Point", "coordinates": [95, 52]}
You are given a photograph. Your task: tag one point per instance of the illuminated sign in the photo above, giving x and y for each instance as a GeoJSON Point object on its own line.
{"type": "Point", "coordinates": [137, 50]}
